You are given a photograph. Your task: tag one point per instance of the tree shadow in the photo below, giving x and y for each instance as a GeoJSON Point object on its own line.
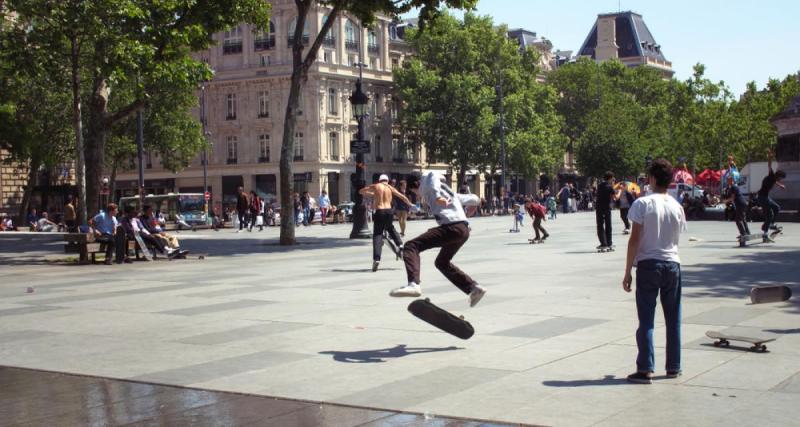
{"type": "Point", "coordinates": [379, 355]}
{"type": "Point", "coordinates": [605, 381]}
{"type": "Point", "coordinates": [783, 331]}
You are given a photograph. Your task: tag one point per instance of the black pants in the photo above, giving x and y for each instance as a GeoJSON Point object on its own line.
{"type": "Point", "coordinates": [153, 242]}
{"type": "Point", "coordinates": [449, 237]}
{"type": "Point", "coordinates": [741, 222]}
{"type": "Point", "coordinates": [242, 218]}
{"type": "Point", "coordinates": [603, 217]}
{"type": "Point", "coordinates": [537, 227]}
{"type": "Point", "coordinates": [623, 213]}
{"type": "Point", "coordinates": [71, 226]}
{"type": "Point", "coordinates": [115, 243]}
{"type": "Point", "coordinates": [382, 220]}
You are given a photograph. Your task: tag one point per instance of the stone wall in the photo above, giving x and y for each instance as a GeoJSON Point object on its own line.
{"type": "Point", "coordinates": [13, 177]}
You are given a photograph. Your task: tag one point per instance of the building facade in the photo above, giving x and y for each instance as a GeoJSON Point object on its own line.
{"type": "Point", "coordinates": [245, 105]}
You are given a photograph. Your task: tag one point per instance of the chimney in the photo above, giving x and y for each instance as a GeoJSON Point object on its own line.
{"type": "Point", "coordinates": [606, 38]}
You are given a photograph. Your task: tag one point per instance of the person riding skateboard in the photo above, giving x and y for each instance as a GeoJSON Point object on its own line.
{"type": "Point", "coordinates": [771, 208]}
{"type": "Point", "coordinates": [537, 213]}
{"type": "Point", "coordinates": [658, 220]}
{"type": "Point", "coordinates": [451, 234]}
{"type": "Point", "coordinates": [383, 193]}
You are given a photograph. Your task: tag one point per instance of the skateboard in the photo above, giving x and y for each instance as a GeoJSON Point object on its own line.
{"type": "Point", "coordinates": [392, 245]}
{"type": "Point", "coordinates": [748, 237]}
{"type": "Point", "coordinates": [606, 249]}
{"type": "Point", "coordinates": [535, 241]}
{"type": "Point", "coordinates": [424, 309]}
{"type": "Point", "coordinates": [765, 294]}
{"type": "Point", "coordinates": [142, 247]}
{"type": "Point", "coordinates": [724, 341]}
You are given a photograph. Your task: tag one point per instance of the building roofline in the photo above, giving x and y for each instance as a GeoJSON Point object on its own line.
{"type": "Point", "coordinates": [615, 14]}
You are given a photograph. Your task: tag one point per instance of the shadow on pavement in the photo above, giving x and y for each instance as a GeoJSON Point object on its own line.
{"type": "Point", "coordinates": [358, 270]}
{"type": "Point", "coordinates": [783, 331]}
{"type": "Point", "coordinates": [607, 380]}
{"type": "Point", "coordinates": [379, 355]}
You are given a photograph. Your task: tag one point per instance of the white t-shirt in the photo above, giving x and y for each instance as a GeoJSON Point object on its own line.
{"type": "Point", "coordinates": [663, 221]}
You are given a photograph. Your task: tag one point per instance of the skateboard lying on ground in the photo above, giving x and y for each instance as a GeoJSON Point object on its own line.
{"type": "Point", "coordinates": [765, 294]}
{"type": "Point", "coordinates": [442, 319]}
{"type": "Point", "coordinates": [724, 341]}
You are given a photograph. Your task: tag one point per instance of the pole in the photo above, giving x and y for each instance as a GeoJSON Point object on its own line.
{"type": "Point", "coordinates": [502, 140]}
{"type": "Point", "coordinates": [205, 147]}
{"type": "Point", "coordinates": [360, 228]}
{"type": "Point", "coordinates": [140, 155]}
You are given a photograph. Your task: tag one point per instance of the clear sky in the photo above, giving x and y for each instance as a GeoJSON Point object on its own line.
{"type": "Point", "coordinates": [738, 40]}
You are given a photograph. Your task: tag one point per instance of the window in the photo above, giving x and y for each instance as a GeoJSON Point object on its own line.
{"type": "Point", "coordinates": [266, 60]}
{"type": "Point", "coordinates": [292, 28]}
{"type": "Point", "coordinates": [327, 57]}
{"type": "Point", "coordinates": [377, 149]}
{"type": "Point", "coordinates": [395, 63]}
{"type": "Point", "coordinates": [148, 160]}
{"type": "Point", "coordinates": [333, 145]}
{"type": "Point", "coordinates": [232, 41]}
{"type": "Point", "coordinates": [263, 104]}
{"type": "Point", "coordinates": [333, 101]}
{"type": "Point", "coordinates": [375, 102]}
{"type": "Point", "coordinates": [397, 151]}
{"type": "Point", "coordinates": [233, 150]}
{"type": "Point", "coordinates": [395, 108]}
{"type": "Point", "coordinates": [351, 36]}
{"type": "Point", "coordinates": [231, 104]}
{"type": "Point", "coordinates": [300, 103]}
{"type": "Point", "coordinates": [351, 60]}
{"type": "Point", "coordinates": [373, 63]}
{"type": "Point", "coordinates": [330, 37]}
{"type": "Point", "coordinates": [298, 146]}
{"type": "Point", "coordinates": [372, 42]}
{"type": "Point", "coordinates": [263, 148]}
{"type": "Point", "coordinates": [265, 39]}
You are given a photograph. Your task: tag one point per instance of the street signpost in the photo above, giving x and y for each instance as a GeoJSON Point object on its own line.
{"type": "Point", "coordinates": [359, 147]}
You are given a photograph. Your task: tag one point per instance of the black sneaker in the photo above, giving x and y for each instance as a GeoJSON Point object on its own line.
{"type": "Point", "coordinates": [641, 378]}
{"type": "Point", "coordinates": [375, 266]}
{"type": "Point", "coordinates": [674, 374]}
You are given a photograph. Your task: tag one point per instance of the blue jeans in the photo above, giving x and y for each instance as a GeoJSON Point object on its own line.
{"type": "Point", "coordinates": [306, 219]}
{"type": "Point", "coordinates": [771, 210]}
{"type": "Point", "coordinates": [654, 276]}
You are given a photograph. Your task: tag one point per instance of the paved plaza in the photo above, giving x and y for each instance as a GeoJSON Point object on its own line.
{"type": "Point", "coordinates": [554, 335]}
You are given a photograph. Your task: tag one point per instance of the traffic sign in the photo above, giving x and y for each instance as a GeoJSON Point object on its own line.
{"type": "Point", "coordinates": [208, 196]}
{"type": "Point", "coordinates": [359, 147]}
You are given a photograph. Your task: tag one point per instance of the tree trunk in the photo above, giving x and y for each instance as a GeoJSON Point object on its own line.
{"type": "Point", "coordinates": [80, 164]}
{"type": "Point", "coordinates": [96, 142]}
{"type": "Point", "coordinates": [287, 158]}
{"type": "Point", "coordinates": [24, 207]}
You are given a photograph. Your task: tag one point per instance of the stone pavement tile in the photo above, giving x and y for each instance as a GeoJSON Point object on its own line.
{"type": "Point", "coordinates": [206, 371]}
{"type": "Point", "coordinates": [90, 296]}
{"type": "Point", "coordinates": [8, 312]}
{"type": "Point", "coordinates": [419, 388]}
{"type": "Point", "coordinates": [312, 295]}
{"type": "Point", "coordinates": [685, 406]}
{"type": "Point", "coordinates": [213, 308]}
{"type": "Point", "coordinates": [112, 323]}
{"type": "Point", "coordinates": [24, 334]}
{"type": "Point", "coordinates": [550, 327]}
{"type": "Point", "coordinates": [244, 333]}
{"type": "Point", "coordinates": [726, 315]}
{"type": "Point", "coordinates": [790, 385]}
{"type": "Point", "coordinates": [328, 415]}
{"type": "Point", "coordinates": [776, 320]}
{"type": "Point", "coordinates": [774, 409]}
{"type": "Point", "coordinates": [740, 373]}
{"type": "Point", "coordinates": [232, 291]}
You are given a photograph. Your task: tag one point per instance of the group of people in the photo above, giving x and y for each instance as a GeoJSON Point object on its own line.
{"type": "Point", "coordinates": [116, 230]}
{"type": "Point", "coordinates": [252, 211]}
{"type": "Point", "coordinates": [607, 197]}
{"type": "Point", "coordinates": [770, 208]}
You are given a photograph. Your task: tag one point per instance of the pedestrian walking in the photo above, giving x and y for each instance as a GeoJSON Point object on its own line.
{"type": "Point", "coordinates": [605, 192]}
{"type": "Point", "coordinates": [382, 193]}
{"type": "Point", "coordinates": [324, 206]}
{"type": "Point", "coordinates": [255, 208]}
{"type": "Point", "coordinates": [625, 199]}
{"type": "Point", "coordinates": [242, 206]}
{"type": "Point", "coordinates": [70, 217]}
{"type": "Point", "coordinates": [658, 220]}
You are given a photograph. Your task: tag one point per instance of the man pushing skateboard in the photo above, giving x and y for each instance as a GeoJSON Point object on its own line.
{"type": "Point", "coordinates": [452, 232]}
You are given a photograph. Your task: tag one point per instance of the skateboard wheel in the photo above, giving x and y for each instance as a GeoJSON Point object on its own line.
{"type": "Point", "coordinates": [725, 343]}
{"type": "Point", "coordinates": [717, 343]}
{"type": "Point", "coordinates": [763, 348]}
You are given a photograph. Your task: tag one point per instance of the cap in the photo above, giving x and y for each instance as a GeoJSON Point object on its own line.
{"type": "Point", "coordinates": [383, 178]}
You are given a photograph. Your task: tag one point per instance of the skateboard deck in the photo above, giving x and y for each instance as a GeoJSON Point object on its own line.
{"type": "Point", "coordinates": [724, 340]}
{"type": "Point", "coordinates": [535, 241]}
{"type": "Point", "coordinates": [603, 250]}
{"type": "Point", "coordinates": [391, 244]}
{"type": "Point", "coordinates": [142, 247]}
{"type": "Point", "coordinates": [748, 237]}
{"type": "Point", "coordinates": [424, 309]}
{"type": "Point", "coordinates": [765, 294]}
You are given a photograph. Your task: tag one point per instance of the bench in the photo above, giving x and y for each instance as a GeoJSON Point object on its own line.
{"type": "Point", "coordinates": [86, 246]}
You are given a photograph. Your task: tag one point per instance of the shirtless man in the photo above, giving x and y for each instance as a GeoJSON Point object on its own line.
{"type": "Point", "coordinates": [382, 193]}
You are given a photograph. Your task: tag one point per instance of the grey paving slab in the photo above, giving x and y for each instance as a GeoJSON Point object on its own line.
{"type": "Point", "coordinates": [208, 371]}
{"type": "Point", "coordinates": [426, 386]}
{"type": "Point", "coordinates": [231, 292]}
{"type": "Point", "coordinates": [26, 310]}
{"type": "Point", "coordinates": [790, 385]}
{"type": "Point", "coordinates": [111, 294]}
{"type": "Point", "coordinates": [239, 334]}
{"type": "Point", "coordinates": [726, 315]}
{"type": "Point", "coordinates": [25, 334]}
{"type": "Point", "coordinates": [214, 308]}
{"type": "Point", "coordinates": [550, 327]}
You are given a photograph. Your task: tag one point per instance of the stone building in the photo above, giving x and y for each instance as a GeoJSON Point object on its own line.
{"type": "Point", "coordinates": [245, 105]}
{"type": "Point", "coordinates": [787, 154]}
{"type": "Point", "coordinates": [625, 36]}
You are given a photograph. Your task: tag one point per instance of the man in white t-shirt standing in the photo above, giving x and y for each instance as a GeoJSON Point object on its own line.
{"type": "Point", "coordinates": [658, 221]}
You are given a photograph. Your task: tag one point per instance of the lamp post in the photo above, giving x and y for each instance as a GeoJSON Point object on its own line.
{"type": "Point", "coordinates": [205, 148]}
{"type": "Point", "coordinates": [499, 89]}
{"type": "Point", "coordinates": [359, 146]}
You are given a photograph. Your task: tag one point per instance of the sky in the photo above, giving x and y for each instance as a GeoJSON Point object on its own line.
{"type": "Point", "coordinates": [738, 40]}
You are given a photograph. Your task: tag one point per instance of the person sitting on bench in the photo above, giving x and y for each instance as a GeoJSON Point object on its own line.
{"type": "Point", "coordinates": [133, 226]}
{"type": "Point", "coordinates": [150, 224]}
{"type": "Point", "coordinates": [105, 231]}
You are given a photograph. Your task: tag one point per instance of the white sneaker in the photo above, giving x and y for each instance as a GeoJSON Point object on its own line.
{"type": "Point", "coordinates": [477, 293]}
{"type": "Point", "coordinates": [410, 290]}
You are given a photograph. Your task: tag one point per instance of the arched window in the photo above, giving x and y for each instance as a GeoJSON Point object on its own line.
{"type": "Point", "coordinates": [265, 39]}
{"type": "Point", "coordinates": [330, 37]}
{"type": "Point", "coordinates": [292, 27]}
{"type": "Point", "coordinates": [351, 35]}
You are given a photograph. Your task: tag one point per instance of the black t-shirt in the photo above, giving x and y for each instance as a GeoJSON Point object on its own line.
{"type": "Point", "coordinates": [738, 199]}
{"type": "Point", "coordinates": [767, 184]}
{"type": "Point", "coordinates": [604, 193]}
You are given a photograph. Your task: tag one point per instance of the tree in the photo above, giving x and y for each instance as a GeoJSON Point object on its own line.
{"type": "Point", "coordinates": [103, 44]}
{"type": "Point", "coordinates": [366, 12]}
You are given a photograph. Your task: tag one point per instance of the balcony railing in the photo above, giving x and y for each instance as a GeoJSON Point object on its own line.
{"type": "Point", "coordinates": [373, 48]}
{"type": "Point", "coordinates": [329, 42]}
{"type": "Point", "coordinates": [378, 159]}
{"type": "Point", "coordinates": [351, 45]}
{"type": "Point", "coordinates": [290, 42]}
{"type": "Point", "coordinates": [263, 160]}
{"type": "Point", "coordinates": [298, 158]}
{"type": "Point", "coordinates": [231, 48]}
{"type": "Point", "coordinates": [230, 117]}
{"type": "Point", "coordinates": [264, 44]}
{"type": "Point", "coordinates": [398, 160]}
{"type": "Point", "coordinates": [232, 161]}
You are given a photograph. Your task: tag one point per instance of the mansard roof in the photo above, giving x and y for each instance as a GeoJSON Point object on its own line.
{"type": "Point", "coordinates": [791, 111]}
{"type": "Point", "coordinates": [633, 37]}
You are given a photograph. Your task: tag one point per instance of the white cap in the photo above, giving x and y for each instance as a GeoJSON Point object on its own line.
{"type": "Point", "coordinates": [383, 178]}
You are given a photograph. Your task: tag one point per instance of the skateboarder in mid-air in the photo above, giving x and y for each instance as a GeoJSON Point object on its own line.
{"type": "Point", "coordinates": [452, 232]}
{"type": "Point", "coordinates": [382, 193]}
{"type": "Point", "coordinates": [658, 220]}
{"type": "Point", "coordinates": [771, 208]}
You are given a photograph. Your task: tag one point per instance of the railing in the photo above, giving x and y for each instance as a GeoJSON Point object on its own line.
{"type": "Point", "coordinates": [230, 117]}
{"type": "Point", "coordinates": [351, 45]}
{"type": "Point", "coordinates": [264, 44]}
{"type": "Point", "coordinates": [373, 48]}
{"type": "Point", "coordinates": [398, 160]}
{"type": "Point", "coordinates": [298, 158]}
{"type": "Point", "coordinates": [263, 160]}
{"type": "Point", "coordinates": [290, 42]}
{"type": "Point", "coordinates": [329, 42]}
{"type": "Point", "coordinates": [263, 115]}
{"type": "Point", "coordinates": [231, 48]}
{"type": "Point", "coordinates": [232, 161]}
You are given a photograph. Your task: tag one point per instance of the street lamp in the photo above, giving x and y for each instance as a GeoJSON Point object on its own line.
{"type": "Point", "coordinates": [359, 146]}
{"type": "Point", "coordinates": [206, 133]}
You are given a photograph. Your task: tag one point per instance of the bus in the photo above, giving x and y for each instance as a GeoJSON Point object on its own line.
{"type": "Point", "coordinates": [174, 207]}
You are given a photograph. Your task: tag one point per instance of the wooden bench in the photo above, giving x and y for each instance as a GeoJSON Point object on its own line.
{"type": "Point", "coordinates": [86, 246]}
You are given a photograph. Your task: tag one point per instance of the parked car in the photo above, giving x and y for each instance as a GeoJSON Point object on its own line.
{"type": "Point", "coordinates": [693, 191]}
